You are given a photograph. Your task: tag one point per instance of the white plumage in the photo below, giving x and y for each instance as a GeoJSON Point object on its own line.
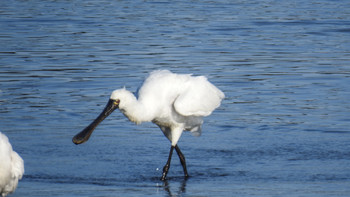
{"type": "Point", "coordinates": [11, 167]}
{"type": "Point", "coordinates": [174, 102]}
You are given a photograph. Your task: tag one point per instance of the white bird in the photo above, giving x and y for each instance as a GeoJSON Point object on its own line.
{"type": "Point", "coordinates": [174, 102]}
{"type": "Point", "coordinates": [11, 167]}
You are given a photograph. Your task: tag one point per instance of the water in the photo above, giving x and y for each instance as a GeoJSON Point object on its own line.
{"type": "Point", "coordinates": [283, 129]}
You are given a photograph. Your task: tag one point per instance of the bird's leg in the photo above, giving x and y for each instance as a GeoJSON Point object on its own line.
{"type": "Point", "coordinates": [167, 165]}
{"type": "Point", "coordinates": [182, 160]}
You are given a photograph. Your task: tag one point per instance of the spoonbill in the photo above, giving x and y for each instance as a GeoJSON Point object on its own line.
{"type": "Point", "coordinates": [11, 167]}
{"type": "Point", "coordinates": [174, 102]}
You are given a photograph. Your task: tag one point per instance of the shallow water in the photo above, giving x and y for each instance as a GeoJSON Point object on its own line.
{"type": "Point", "coordinates": [283, 129]}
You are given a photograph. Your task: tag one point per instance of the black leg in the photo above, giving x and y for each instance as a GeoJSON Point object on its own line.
{"type": "Point", "coordinates": [182, 160]}
{"type": "Point", "coordinates": [167, 165]}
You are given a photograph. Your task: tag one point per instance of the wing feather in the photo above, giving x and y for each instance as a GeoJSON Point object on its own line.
{"type": "Point", "coordinates": [199, 98]}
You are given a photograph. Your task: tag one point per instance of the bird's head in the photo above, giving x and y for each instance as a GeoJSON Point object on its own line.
{"type": "Point", "coordinates": [123, 97]}
{"type": "Point", "coordinates": [118, 99]}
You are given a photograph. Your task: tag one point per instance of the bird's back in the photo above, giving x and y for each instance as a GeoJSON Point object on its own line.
{"type": "Point", "coordinates": [190, 96]}
{"type": "Point", "coordinates": [160, 89]}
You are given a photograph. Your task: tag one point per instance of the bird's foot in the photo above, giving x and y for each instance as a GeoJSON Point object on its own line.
{"type": "Point", "coordinates": [163, 178]}
{"type": "Point", "coordinates": [165, 171]}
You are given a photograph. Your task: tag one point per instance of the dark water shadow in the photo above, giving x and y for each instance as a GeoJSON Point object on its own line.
{"type": "Point", "coordinates": [175, 187]}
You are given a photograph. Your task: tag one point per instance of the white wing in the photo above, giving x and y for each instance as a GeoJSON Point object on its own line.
{"type": "Point", "coordinates": [11, 167]}
{"type": "Point", "coordinates": [16, 172]}
{"type": "Point", "coordinates": [199, 98]}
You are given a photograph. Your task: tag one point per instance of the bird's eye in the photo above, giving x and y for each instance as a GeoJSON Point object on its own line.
{"type": "Point", "coordinates": [116, 102]}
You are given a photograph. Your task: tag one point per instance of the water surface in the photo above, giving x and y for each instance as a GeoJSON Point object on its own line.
{"type": "Point", "coordinates": [283, 129]}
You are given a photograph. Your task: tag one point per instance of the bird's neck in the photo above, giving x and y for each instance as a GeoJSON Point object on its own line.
{"type": "Point", "coordinates": [136, 111]}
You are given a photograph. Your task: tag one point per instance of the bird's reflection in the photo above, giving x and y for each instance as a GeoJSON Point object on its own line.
{"type": "Point", "coordinates": [172, 191]}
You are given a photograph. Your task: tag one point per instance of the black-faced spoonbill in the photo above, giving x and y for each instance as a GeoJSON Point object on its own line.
{"type": "Point", "coordinates": [11, 167]}
{"type": "Point", "coordinates": [174, 102]}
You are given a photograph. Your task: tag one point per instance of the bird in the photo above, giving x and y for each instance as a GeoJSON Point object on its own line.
{"type": "Point", "coordinates": [11, 167]}
{"type": "Point", "coordinates": [174, 102]}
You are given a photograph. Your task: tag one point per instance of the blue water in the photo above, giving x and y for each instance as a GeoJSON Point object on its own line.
{"type": "Point", "coordinates": [283, 129]}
